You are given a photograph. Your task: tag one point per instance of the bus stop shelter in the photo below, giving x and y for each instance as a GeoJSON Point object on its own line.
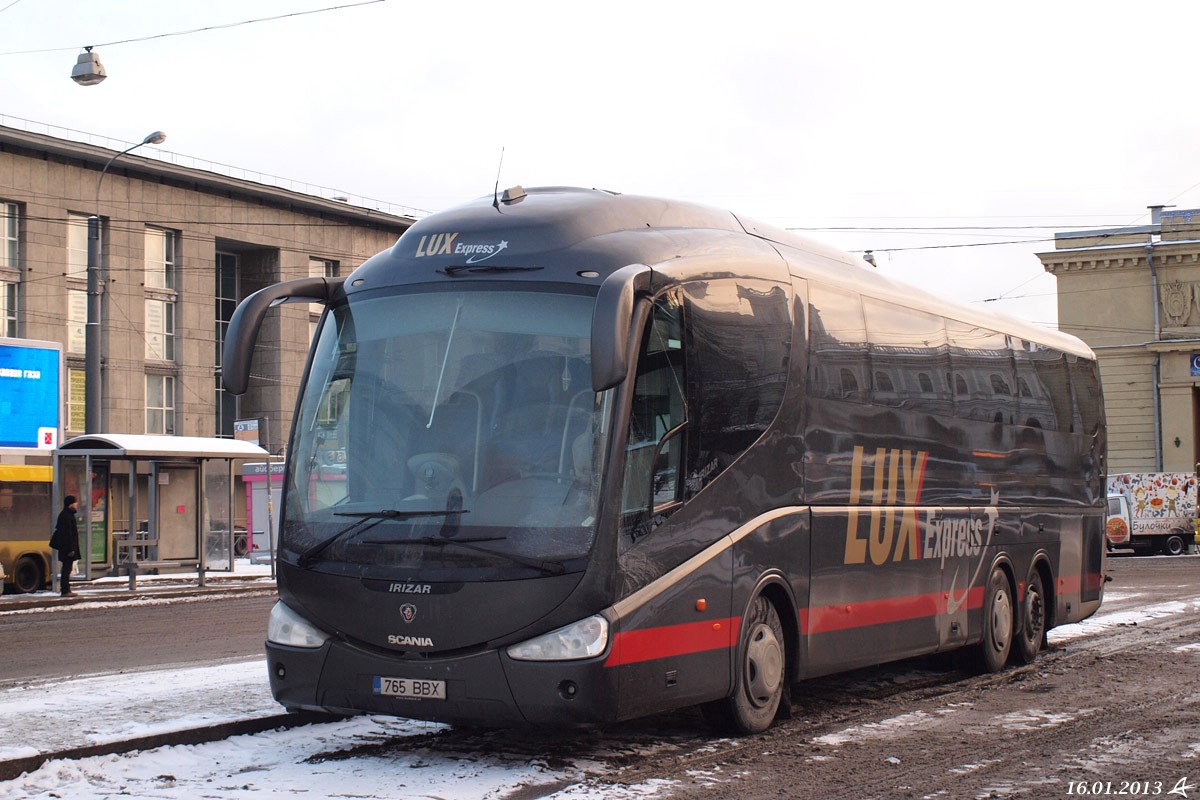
{"type": "Point", "coordinates": [152, 502]}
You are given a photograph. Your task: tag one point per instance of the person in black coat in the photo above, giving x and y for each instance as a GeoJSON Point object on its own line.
{"type": "Point", "coordinates": [66, 541]}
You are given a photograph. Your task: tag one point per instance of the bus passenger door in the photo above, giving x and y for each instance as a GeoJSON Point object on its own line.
{"type": "Point", "coordinates": [675, 630]}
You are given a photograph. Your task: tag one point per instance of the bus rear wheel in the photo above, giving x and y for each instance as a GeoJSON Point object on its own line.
{"type": "Point", "coordinates": [997, 623]}
{"type": "Point", "coordinates": [1174, 545]}
{"type": "Point", "coordinates": [27, 575]}
{"type": "Point", "coordinates": [761, 674]}
{"type": "Point", "coordinates": [1033, 621]}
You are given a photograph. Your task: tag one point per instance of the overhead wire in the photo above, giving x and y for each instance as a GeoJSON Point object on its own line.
{"type": "Point", "coordinates": [192, 30]}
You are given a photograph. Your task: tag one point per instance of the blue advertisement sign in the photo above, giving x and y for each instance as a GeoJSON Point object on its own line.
{"type": "Point", "coordinates": [30, 393]}
{"type": "Point", "coordinates": [1195, 365]}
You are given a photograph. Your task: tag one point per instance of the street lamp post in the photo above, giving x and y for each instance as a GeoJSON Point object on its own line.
{"type": "Point", "coordinates": [94, 395]}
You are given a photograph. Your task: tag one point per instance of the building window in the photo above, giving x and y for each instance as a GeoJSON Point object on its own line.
{"type": "Point", "coordinates": [8, 308]}
{"type": "Point", "coordinates": [319, 268]}
{"type": "Point", "coordinates": [77, 302]}
{"type": "Point", "coordinates": [77, 245]}
{"type": "Point", "coordinates": [160, 404]}
{"type": "Point", "coordinates": [227, 298]}
{"type": "Point", "coordinates": [10, 236]}
{"type": "Point", "coordinates": [160, 330]}
{"type": "Point", "coordinates": [161, 254]}
{"type": "Point", "coordinates": [160, 280]}
{"type": "Point", "coordinates": [10, 268]}
{"type": "Point", "coordinates": [76, 400]}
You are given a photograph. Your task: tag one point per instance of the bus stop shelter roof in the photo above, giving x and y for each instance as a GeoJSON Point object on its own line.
{"type": "Point", "coordinates": [140, 445]}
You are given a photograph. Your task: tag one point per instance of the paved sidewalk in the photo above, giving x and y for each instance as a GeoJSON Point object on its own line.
{"type": "Point", "coordinates": [245, 577]}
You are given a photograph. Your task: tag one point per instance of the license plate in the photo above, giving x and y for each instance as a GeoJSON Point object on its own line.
{"type": "Point", "coordinates": [410, 688]}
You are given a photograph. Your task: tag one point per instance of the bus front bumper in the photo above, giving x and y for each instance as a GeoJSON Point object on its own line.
{"type": "Point", "coordinates": [486, 688]}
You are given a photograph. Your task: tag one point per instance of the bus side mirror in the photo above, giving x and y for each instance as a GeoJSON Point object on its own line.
{"type": "Point", "coordinates": [611, 321]}
{"type": "Point", "coordinates": [248, 317]}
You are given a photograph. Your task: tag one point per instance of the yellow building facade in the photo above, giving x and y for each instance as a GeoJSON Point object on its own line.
{"type": "Point", "coordinates": [1133, 294]}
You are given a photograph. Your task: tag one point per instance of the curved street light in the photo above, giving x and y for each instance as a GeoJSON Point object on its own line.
{"type": "Point", "coordinates": [92, 338]}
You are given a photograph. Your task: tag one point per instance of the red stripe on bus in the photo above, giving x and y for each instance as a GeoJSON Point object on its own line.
{"type": "Point", "coordinates": [647, 644]}
{"type": "Point", "coordinates": [825, 619]}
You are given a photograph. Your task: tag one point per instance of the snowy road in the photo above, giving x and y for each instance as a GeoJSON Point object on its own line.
{"type": "Point", "coordinates": [377, 757]}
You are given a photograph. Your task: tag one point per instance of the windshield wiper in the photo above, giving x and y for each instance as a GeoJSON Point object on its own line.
{"type": "Point", "coordinates": [366, 520]}
{"type": "Point", "coordinates": [469, 543]}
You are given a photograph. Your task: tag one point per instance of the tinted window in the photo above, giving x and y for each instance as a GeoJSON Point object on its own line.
{"type": "Point", "coordinates": [1085, 381]}
{"type": "Point", "coordinates": [903, 340]}
{"type": "Point", "coordinates": [983, 371]}
{"type": "Point", "coordinates": [652, 473]}
{"type": "Point", "coordinates": [738, 335]}
{"type": "Point", "coordinates": [1043, 372]}
{"type": "Point", "coordinates": [839, 366]}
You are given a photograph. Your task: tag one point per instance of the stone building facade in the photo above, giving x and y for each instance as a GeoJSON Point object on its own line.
{"type": "Point", "coordinates": [1133, 294]}
{"type": "Point", "coordinates": [179, 248]}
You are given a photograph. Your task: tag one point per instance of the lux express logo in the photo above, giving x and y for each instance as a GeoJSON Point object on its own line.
{"type": "Point", "coordinates": [447, 244]}
{"type": "Point", "coordinates": [896, 532]}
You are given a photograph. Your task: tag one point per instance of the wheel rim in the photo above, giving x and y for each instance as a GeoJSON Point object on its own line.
{"type": "Point", "coordinates": [1001, 620]}
{"type": "Point", "coordinates": [1035, 614]}
{"type": "Point", "coordinates": [764, 665]}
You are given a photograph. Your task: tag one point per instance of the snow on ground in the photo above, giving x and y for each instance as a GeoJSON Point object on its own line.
{"type": "Point", "coordinates": [56, 715]}
{"type": "Point", "coordinates": [62, 714]}
{"type": "Point", "coordinates": [1128, 617]}
{"type": "Point", "coordinates": [52, 715]}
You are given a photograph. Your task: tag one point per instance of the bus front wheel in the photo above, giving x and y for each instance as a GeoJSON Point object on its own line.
{"type": "Point", "coordinates": [997, 623]}
{"type": "Point", "coordinates": [761, 674]}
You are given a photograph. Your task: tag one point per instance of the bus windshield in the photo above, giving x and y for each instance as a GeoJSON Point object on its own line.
{"type": "Point", "coordinates": [449, 429]}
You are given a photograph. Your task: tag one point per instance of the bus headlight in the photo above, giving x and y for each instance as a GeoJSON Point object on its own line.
{"type": "Point", "coordinates": [583, 639]}
{"type": "Point", "coordinates": [286, 627]}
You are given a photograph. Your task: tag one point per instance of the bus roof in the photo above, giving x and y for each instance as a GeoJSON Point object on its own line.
{"type": "Point", "coordinates": [575, 235]}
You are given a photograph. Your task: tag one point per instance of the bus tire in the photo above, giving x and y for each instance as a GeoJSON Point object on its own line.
{"type": "Point", "coordinates": [760, 676]}
{"type": "Point", "coordinates": [1174, 546]}
{"type": "Point", "coordinates": [998, 621]}
{"type": "Point", "coordinates": [27, 575]}
{"type": "Point", "coordinates": [1033, 621]}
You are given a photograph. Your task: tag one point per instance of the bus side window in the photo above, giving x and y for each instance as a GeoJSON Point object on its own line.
{"type": "Point", "coordinates": [839, 361]}
{"type": "Point", "coordinates": [738, 340]}
{"type": "Point", "coordinates": [654, 466]}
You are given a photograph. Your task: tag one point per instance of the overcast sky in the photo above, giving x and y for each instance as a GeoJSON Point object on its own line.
{"type": "Point", "coordinates": [955, 116]}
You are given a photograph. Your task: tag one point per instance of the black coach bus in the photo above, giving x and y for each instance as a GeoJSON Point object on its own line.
{"type": "Point", "coordinates": [565, 456]}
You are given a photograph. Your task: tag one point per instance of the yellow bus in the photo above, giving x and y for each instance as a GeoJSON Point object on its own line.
{"type": "Point", "coordinates": [26, 520]}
